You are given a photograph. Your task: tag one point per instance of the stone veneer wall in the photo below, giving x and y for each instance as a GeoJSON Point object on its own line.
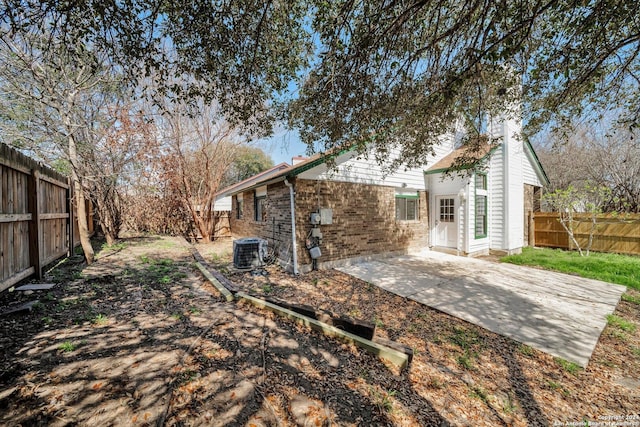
{"type": "Point", "coordinates": [363, 220]}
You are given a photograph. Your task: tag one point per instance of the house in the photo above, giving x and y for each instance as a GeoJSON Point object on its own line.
{"type": "Point", "coordinates": [314, 215]}
{"type": "Point", "coordinates": [223, 197]}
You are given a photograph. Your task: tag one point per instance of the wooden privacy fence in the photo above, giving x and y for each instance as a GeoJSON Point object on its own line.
{"type": "Point", "coordinates": [614, 233]}
{"type": "Point", "coordinates": [35, 217]}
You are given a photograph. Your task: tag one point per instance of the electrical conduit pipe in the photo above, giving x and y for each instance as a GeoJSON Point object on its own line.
{"type": "Point", "coordinates": [293, 226]}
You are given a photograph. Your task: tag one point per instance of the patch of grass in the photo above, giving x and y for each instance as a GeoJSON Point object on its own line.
{"type": "Point", "coordinates": [636, 351]}
{"type": "Point", "coordinates": [509, 407]}
{"type": "Point", "coordinates": [165, 280]}
{"type": "Point", "coordinates": [479, 393]}
{"type": "Point", "coordinates": [553, 385]}
{"type": "Point", "coordinates": [176, 316]}
{"type": "Point", "coordinates": [572, 368]}
{"type": "Point", "coordinates": [422, 315]}
{"type": "Point", "coordinates": [100, 319]}
{"type": "Point", "coordinates": [47, 320]}
{"type": "Point", "coordinates": [384, 399]}
{"type": "Point", "coordinates": [163, 244]}
{"type": "Point", "coordinates": [115, 247]}
{"type": "Point", "coordinates": [187, 376]}
{"type": "Point", "coordinates": [267, 289]}
{"type": "Point", "coordinates": [378, 322]}
{"type": "Point", "coordinates": [614, 268]}
{"type": "Point", "coordinates": [621, 323]}
{"type": "Point", "coordinates": [631, 298]}
{"type": "Point", "coordinates": [619, 335]}
{"type": "Point", "coordinates": [145, 259]}
{"type": "Point", "coordinates": [355, 312]}
{"type": "Point", "coordinates": [464, 338]}
{"type": "Point", "coordinates": [525, 350]}
{"type": "Point", "coordinates": [194, 310]}
{"type": "Point", "coordinates": [67, 346]}
{"type": "Point", "coordinates": [465, 361]}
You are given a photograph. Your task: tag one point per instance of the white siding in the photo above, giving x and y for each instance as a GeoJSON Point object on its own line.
{"type": "Point", "coordinates": [367, 171]}
{"type": "Point", "coordinates": [496, 199]}
{"type": "Point", "coordinates": [514, 213]}
{"type": "Point", "coordinates": [439, 185]}
{"type": "Point", "coordinates": [223, 204]}
{"type": "Point", "coordinates": [529, 167]}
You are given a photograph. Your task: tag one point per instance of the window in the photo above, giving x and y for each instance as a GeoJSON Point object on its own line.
{"type": "Point", "coordinates": [481, 181]}
{"type": "Point", "coordinates": [239, 207]}
{"type": "Point", "coordinates": [447, 210]}
{"type": "Point", "coordinates": [406, 208]}
{"type": "Point", "coordinates": [260, 208]}
{"type": "Point", "coordinates": [481, 205]}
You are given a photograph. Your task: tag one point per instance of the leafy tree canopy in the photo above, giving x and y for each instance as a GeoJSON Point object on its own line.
{"type": "Point", "coordinates": [388, 73]}
{"type": "Point", "coordinates": [248, 161]}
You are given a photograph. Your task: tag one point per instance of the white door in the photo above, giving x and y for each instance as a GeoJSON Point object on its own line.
{"type": "Point", "coordinates": [446, 222]}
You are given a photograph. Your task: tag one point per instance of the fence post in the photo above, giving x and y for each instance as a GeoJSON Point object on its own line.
{"type": "Point", "coordinates": [34, 224]}
{"type": "Point", "coordinates": [532, 229]}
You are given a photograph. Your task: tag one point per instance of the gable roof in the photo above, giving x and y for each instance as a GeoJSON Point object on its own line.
{"type": "Point", "coordinates": [239, 186]}
{"type": "Point", "coordinates": [466, 152]}
{"type": "Point", "coordinates": [537, 164]}
{"type": "Point", "coordinates": [283, 173]}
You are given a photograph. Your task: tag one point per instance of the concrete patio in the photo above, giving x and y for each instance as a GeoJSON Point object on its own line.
{"type": "Point", "coordinates": [560, 314]}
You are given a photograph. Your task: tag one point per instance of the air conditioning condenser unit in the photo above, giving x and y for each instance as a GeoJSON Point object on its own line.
{"type": "Point", "coordinates": [249, 252]}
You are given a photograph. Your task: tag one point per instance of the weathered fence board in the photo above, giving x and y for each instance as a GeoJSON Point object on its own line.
{"type": "Point", "coordinates": [35, 217]}
{"type": "Point", "coordinates": [614, 233]}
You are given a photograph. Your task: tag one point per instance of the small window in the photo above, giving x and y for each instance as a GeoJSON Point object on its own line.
{"type": "Point", "coordinates": [406, 208]}
{"type": "Point", "coordinates": [239, 208]}
{"type": "Point", "coordinates": [260, 208]}
{"type": "Point", "coordinates": [481, 181]}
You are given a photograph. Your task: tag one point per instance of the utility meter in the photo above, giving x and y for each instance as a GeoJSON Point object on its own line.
{"type": "Point", "coordinates": [315, 218]}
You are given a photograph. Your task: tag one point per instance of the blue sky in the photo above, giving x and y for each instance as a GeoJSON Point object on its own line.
{"type": "Point", "coordinates": [283, 145]}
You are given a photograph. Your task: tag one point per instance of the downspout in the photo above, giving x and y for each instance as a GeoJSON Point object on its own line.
{"type": "Point", "coordinates": [293, 226]}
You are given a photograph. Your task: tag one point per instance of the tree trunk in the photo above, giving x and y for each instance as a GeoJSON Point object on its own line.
{"type": "Point", "coordinates": [81, 210]}
{"type": "Point", "coordinates": [109, 211]}
{"type": "Point", "coordinates": [81, 214]}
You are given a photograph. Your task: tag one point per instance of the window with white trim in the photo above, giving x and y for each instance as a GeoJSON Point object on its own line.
{"type": "Point", "coordinates": [407, 207]}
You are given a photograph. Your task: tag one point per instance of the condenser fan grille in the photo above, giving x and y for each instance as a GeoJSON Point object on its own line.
{"type": "Point", "coordinates": [249, 252]}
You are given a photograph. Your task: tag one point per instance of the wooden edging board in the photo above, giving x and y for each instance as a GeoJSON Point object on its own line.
{"type": "Point", "coordinates": [396, 357]}
{"type": "Point", "coordinates": [224, 291]}
{"type": "Point", "coordinates": [391, 355]}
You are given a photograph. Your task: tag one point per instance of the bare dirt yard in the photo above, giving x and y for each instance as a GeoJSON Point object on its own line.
{"type": "Point", "coordinates": [141, 338]}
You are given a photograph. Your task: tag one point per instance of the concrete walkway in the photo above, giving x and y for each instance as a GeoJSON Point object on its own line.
{"type": "Point", "coordinates": [560, 314]}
